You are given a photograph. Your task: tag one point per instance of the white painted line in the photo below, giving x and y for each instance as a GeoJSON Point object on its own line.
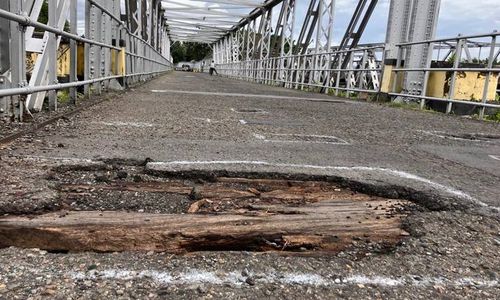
{"type": "Point", "coordinates": [340, 141]}
{"type": "Point", "coordinates": [267, 140]}
{"type": "Point", "coordinates": [243, 122]}
{"type": "Point", "coordinates": [495, 157]}
{"type": "Point", "coordinates": [400, 174]}
{"type": "Point", "coordinates": [127, 124]}
{"type": "Point", "coordinates": [196, 276]}
{"type": "Point", "coordinates": [252, 96]}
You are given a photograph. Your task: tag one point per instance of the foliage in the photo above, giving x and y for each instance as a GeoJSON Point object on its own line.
{"type": "Point", "coordinates": [494, 117]}
{"type": "Point", "coordinates": [44, 16]}
{"type": "Point", "coordinates": [189, 51]}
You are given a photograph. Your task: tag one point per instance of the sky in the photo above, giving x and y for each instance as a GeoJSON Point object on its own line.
{"type": "Point", "coordinates": [456, 16]}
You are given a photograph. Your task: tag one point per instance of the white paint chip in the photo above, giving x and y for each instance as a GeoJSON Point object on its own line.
{"type": "Point", "coordinates": [128, 124]}
{"type": "Point", "coordinates": [208, 120]}
{"type": "Point", "coordinates": [196, 276]}
{"type": "Point", "coordinates": [259, 136]}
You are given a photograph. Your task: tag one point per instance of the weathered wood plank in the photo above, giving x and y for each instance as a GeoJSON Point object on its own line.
{"type": "Point", "coordinates": [326, 226]}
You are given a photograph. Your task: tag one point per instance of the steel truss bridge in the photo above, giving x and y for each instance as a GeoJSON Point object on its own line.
{"type": "Point", "coordinates": [117, 43]}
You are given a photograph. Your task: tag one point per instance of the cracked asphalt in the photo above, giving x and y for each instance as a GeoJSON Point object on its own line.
{"type": "Point", "coordinates": [193, 122]}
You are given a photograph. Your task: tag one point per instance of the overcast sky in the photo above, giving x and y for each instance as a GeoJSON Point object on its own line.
{"type": "Point", "coordinates": [457, 16]}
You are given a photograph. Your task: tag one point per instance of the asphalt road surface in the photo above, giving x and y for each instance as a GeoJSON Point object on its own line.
{"type": "Point", "coordinates": [188, 122]}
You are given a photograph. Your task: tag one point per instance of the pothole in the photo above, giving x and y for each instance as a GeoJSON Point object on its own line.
{"type": "Point", "coordinates": [123, 209]}
{"type": "Point", "coordinates": [475, 137]}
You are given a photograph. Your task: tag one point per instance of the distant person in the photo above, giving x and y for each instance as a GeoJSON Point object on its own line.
{"type": "Point", "coordinates": [212, 68]}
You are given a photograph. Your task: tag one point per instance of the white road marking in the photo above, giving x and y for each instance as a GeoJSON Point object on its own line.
{"type": "Point", "coordinates": [196, 276]}
{"type": "Point", "coordinates": [127, 124]}
{"type": "Point", "coordinates": [495, 157]}
{"type": "Point", "coordinates": [267, 140]}
{"type": "Point", "coordinates": [400, 174]}
{"type": "Point", "coordinates": [340, 141]}
{"type": "Point", "coordinates": [252, 96]}
{"type": "Point", "coordinates": [243, 122]}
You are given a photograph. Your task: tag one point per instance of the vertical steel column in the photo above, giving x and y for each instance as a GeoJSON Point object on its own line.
{"type": "Point", "coordinates": [52, 54]}
{"type": "Point", "coordinates": [410, 21]}
{"type": "Point", "coordinates": [73, 16]}
{"type": "Point", "coordinates": [324, 35]}
{"type": "Point", "coordinates": [286, 47]}
{"type": "Point", "coordinates": [4, 59]}
{"type": "Point", "coordinates": [236, 52]}
{"type": "Point", "coordinates": [228, 49]}
{"type": "Point", "coordinates": [250, 47]}
{"type": "Point", "coordinates": [17, 60]}
{"type": "Point", "coordinates": [423, 27]}
{"type": "Point", "coordinates": [216, 52]}
{"type": "Point", "coordinates": [265, 44]}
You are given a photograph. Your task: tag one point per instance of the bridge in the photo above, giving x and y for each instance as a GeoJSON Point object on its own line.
{"type": "Point", "coordinates": [305, 168]}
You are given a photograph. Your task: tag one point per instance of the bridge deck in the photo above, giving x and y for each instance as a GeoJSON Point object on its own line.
{"type": "Point", "coordinates": [188, 123]}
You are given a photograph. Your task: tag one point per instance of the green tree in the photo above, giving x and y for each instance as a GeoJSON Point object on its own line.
{"type": "Point", "coordinates": [189, 51]}
{"type": "Point", "coordinates": [44, 16]}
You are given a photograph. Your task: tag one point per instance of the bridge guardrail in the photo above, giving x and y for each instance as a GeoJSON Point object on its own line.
{"type": "Point", "coordinates": [111, 52]}
{"type": "Point", "coordinates": [322, 71]}
{"type": "Point", "coordinates": [458, 48]}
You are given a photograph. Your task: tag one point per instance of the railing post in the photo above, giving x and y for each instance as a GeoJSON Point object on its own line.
{"type": "Point", "coordinates": [52, 54]}
{"type": "Point", "coordinates": [491, 59]}
{"type": "Point", "coordinates": [427, 72]}
{"type": "Point", "coordinates": [339, 73]}
{"type": "Point", "coordinates": [456, 64]}
{"type": "Point", "coordinates": [73, 51]}
{"type": "Point", "coordinates": [88, 49]}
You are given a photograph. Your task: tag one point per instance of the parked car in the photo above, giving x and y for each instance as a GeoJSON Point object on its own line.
{"type": "Point", "coordinates": [187, 68]}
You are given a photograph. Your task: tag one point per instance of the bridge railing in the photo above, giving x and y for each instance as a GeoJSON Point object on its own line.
{"type": "Point", "coordinates": [459, 77]}
{"type": "Point", "coordinates": [109, 53]}
{"type": "Point", "coordinates": [323, 72]}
